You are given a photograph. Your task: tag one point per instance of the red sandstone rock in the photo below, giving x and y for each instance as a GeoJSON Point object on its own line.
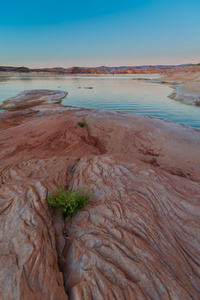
{"type": "Point", "coordinates": [32, 98]}
{"type": "Point", "coordinates": [138, 238]}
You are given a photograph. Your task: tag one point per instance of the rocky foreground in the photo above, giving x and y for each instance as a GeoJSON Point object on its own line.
{"type": "Point", "coordinates": [138, 238]}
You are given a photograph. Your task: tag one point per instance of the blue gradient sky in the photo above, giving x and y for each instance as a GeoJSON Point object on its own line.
{"type": "Point", "coordinates": [44, 33]}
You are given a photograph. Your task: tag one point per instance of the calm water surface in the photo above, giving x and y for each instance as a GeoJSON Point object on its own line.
{"type": "Point", "coordinates": [121, 94]}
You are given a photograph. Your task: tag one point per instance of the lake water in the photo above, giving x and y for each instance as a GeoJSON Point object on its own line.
{"type": "Point", "coordinates": [110, 93]}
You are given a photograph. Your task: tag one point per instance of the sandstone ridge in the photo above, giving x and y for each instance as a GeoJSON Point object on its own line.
{"type": "Point", "coordinates": [138, 238]}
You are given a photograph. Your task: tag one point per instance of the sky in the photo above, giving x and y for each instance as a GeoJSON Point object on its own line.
{"type": "Point", "coordinates": [62, 33]}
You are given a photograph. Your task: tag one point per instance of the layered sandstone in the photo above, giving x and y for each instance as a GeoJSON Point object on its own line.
{"type": "Point", "coordinates": [138, 238]}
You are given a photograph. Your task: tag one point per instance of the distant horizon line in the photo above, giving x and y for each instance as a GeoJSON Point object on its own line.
{"type": "Point", "coordinates": [103, 66]}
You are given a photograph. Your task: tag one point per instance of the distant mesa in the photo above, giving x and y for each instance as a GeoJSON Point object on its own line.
{"type": "Point", "coordinates": [15, 69]}
{"type": "Point", "coordinates": [103, 70]}
{"type": "Point", "coordinates": [134, 70]}
{"type": "Point", "coordinates": [78, 70]}
{"type": "Point", "coordinates": [74, 70]}
{"type": "Point", "coordinates": [129, 70]}
{"type": "Point", "coordinates": [22, 69]}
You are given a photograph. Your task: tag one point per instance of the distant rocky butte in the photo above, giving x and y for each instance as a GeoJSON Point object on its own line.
{"type": "Point", "coordinates": [138, 238]}
{"type": "Point", "coordinates": [161, 69]}
{"type": "Point", "coordinates": [132, 70]}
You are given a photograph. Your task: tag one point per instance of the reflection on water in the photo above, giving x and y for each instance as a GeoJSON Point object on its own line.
{"type": "Point", "coordinates": [121, 94]}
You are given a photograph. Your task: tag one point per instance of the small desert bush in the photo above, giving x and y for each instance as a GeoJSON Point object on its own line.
{"type": "Point", "coordinates": [81, 123]}
{"type": "Point", "coordinates": [68, 202]}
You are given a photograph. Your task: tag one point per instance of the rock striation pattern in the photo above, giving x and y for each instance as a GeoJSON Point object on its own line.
{"type": "Point", "coordinates": [29, 267]}
{"type": "Point", "coordinates": [138, 238]}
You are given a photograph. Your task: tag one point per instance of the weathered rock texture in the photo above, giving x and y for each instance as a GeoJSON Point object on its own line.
{"type": "Point", "coordinates": [188, 93]}
{"type": "Point", "coordinates": [32, 98]}
{"type": "Point", "coordinates": [138, 238]}
{"type": "Point", "coordinates": [186, 84]}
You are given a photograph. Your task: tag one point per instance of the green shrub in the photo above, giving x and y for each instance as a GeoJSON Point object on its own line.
{"type": "Point", "coordinates": [81, 123]}
{"type": "Point", "coordinates": [68, 202]}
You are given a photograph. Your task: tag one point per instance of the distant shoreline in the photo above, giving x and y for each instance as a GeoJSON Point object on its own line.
{"type": "Point", "coordinates": [52, 74]}
{"type": "Point", "coordinates": [186, 86]}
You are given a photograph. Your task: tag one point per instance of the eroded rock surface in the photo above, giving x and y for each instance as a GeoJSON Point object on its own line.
{"type": "Point", "coordinates": [29, 266]}
{"type": "Point", "coordinates": [188, 93]}
{"type": "Point", "coordinates": [186, 84]}
{"type": "Point", "coordinates": [138, 238]}
{"type": "Point", "coordinates": [32, 98]}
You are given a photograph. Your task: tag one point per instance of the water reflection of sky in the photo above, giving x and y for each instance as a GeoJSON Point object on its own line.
{"type": "Point", "coordinates": [121, 94]}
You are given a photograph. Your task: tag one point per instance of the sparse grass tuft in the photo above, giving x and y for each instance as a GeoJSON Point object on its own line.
{"type": "Point", "coordinates": [68, 202]}
{"type": "Point", "coordinates": [81, 123]}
